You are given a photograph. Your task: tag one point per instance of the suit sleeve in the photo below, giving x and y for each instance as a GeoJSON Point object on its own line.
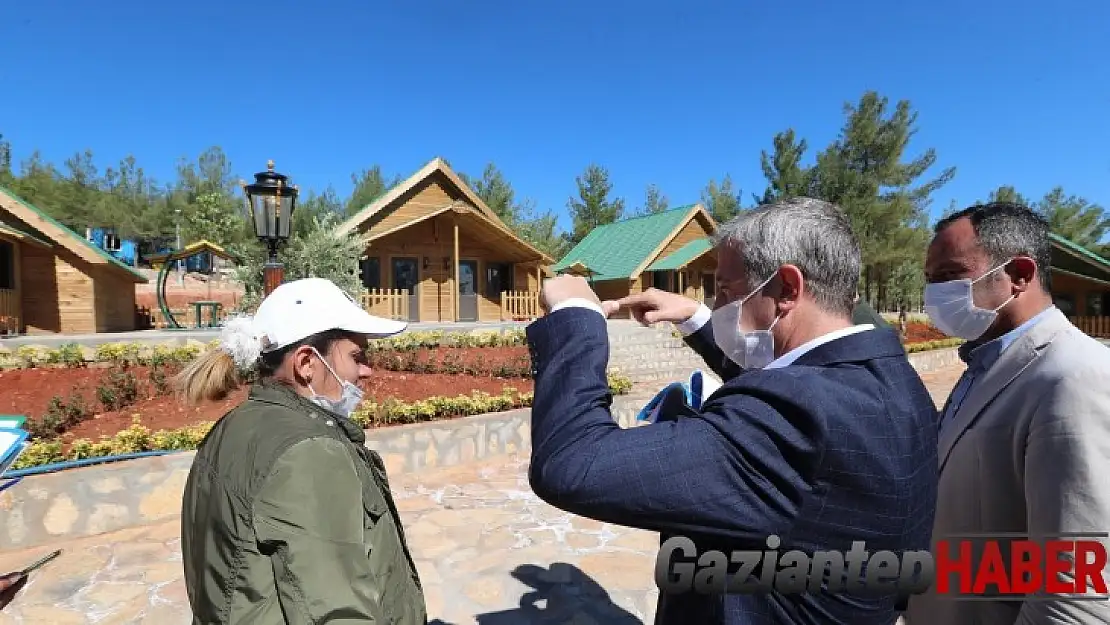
{"type": "Point", "coordinates": [309, 518]}
{"type": "Point", "coordinates": [722, 473]}
{"type": "Point", "coordinates": [1067, 464]}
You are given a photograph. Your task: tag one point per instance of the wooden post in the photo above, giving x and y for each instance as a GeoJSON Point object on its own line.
{"type": "Point", "coordinates": [455, 260]}
{"type": "Point", "coordinates": [272, 276]}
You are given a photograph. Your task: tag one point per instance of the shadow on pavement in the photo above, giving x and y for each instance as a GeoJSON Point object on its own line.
{"type": "Point", "coordinates": [560, 593]}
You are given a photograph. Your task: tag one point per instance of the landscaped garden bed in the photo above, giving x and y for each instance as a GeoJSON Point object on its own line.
{"type": "Point", "coordinates": [118, 399]}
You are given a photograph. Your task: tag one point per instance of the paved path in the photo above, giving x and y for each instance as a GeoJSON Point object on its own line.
{"type": "Point", "coordinates": [488, 550]}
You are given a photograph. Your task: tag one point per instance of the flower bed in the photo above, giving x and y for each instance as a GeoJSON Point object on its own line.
{"type": "Point", "coordinates": [118, 398]}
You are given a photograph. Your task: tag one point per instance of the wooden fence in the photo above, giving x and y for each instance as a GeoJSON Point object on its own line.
{"type": "Point", "coordinates": [520, 305]}
{"type": "Point", "coordinates": [1098, 327]}
{"type": "Point", "coordinates": [388, 303]}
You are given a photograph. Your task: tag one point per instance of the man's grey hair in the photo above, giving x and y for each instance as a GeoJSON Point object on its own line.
{"type": "Point", "coordinates": [1006, 230]}
{"type": "Point", "coordinates": [813, 235]}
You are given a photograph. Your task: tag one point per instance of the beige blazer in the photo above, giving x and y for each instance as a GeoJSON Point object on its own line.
{"type": "Point", "coordinates": [1028, 452]}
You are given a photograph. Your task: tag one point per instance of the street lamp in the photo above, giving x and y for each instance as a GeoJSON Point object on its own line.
{"type": "Point", "coordinates": [270, 204]}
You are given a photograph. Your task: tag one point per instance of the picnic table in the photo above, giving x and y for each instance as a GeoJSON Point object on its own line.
{"type": "Point", "coordinates": [214, 309]}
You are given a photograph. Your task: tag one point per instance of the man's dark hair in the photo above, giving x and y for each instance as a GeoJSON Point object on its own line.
{"type": "Point", "coordinates": [1006, 230]}
{"type": "Point", "coordinates": [270, 362]}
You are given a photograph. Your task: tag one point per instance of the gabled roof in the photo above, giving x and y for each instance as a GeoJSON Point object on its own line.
{"type": "Point", "coordinates": [436, 165]}
{"type": "Point", "coordinates": [682, 256]}
{"type": "Point", "coordinates": [1081, 253]}
{"type": "Point", "coordinates": [57, 233]}
{"type": "Point", "coordinates": [21, 235]}
{"type": "Point", "coordinates": [623, 249]}
{"type": "Point", "coordinates": [192, 249]}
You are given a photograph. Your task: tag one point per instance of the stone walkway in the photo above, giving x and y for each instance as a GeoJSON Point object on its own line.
{"type": "Point", "coordinates": [488, 550]}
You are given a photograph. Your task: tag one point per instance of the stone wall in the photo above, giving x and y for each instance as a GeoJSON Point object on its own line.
{"type": "Point", "coordinates": [43, 509]}
{"type": "Point", "coordinates": [934, 359]}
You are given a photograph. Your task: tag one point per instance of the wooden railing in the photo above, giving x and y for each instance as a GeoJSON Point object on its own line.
{"type": "Point", "coordinates": [10, 321]}
{"type": "Point", "coordinates": [520, 305]}
{"type": "Point", "coordinates": [1098, 327]}
{"type": "Point", "coordinates": [388, 303]}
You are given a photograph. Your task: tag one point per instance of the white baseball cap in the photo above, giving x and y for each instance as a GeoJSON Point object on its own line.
{"type": "Point", "coordinates": [297, 310]}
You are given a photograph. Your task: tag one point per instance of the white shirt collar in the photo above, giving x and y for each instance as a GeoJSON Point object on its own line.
{"type": "Point", "coordinates": [789, 357]}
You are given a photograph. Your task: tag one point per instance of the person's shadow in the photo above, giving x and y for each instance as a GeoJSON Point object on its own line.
{"type": "Point", "coordinates": [559, 593]}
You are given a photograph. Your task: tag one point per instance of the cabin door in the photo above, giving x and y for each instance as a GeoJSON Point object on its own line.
{"type": "Point", "coordinates": [406, 277]}
{"type": "Point", "coordinates": [708, 288]}
{"type": "Point", "coordinates": [468, 290]}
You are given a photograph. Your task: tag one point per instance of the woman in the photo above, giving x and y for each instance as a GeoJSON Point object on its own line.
{"type": "Point", "coordinates": [287, 517]}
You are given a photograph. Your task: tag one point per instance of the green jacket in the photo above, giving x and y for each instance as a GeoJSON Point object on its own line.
{"type": "Point", "coordinates": [288, 518]}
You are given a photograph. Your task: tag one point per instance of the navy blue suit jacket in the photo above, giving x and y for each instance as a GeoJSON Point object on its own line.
{"type": "Point", "coordinates": [841, 446]}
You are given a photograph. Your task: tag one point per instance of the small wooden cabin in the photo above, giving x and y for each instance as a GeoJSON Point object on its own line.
{"type": "Point", "coordinates": [53, 280]}
{"type": "Point", "coordinates": [1081, 286]}
{"type": "Point", "coordinates": [668, 251]}
{"type": "Point", "coordinates": [436, 253]}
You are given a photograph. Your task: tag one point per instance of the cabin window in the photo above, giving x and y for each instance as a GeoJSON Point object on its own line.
{"type": "Point", "coordinates": [371, 268]}
{"type": "Point", "coordinates": [1066, 303]}
{"type": "Point", "coordinates": [1094, 305]}
{"type": "Point", "coordinates": [499, 278]}
{"type": "Point", "coordinates": [111, 243]}
{"type": "Point", "coordinates": [7, 265]}
{"type": "Point", "coordinates": [664, 281]}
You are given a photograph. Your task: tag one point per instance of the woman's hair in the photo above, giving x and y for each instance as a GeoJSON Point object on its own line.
{"type": "Point", "coordinates": [220, 370]}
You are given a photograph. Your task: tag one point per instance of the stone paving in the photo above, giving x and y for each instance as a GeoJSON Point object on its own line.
{"type": "Point", "coordinates": [488, 550]}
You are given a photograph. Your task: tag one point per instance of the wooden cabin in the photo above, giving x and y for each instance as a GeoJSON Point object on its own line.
{"type": "Point", "coordinates": [436, 253]}
{"type": "Point", "coordinates": [52, 280]}
{"type": "Point", "coordinates": [1081, 286]}
{"type": "Point", "coordinates": [670, 251]}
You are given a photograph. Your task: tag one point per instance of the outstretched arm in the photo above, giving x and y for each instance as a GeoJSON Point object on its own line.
{"type": "Point", "coordinates": [720, 473]}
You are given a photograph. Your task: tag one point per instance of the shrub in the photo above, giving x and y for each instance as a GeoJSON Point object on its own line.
{"type": "Point", "coordinates": [118, 389]}
{"type": "Point", "coordinates": [68, 355]}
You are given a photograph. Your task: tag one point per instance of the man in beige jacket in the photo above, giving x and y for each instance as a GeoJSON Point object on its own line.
{"type": "Point", "coordinates": [1025, 435]}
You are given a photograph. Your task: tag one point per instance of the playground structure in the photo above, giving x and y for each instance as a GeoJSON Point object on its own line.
{"type": "Point", "coordinates": [166, 261]}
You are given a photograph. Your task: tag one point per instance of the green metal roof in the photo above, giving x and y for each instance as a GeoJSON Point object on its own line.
{"type": "Point", "coordinates": [683, 255]}
{"type": "Point", "coordinates": [76, 237]}
{"type": "Point", "coordinates": [1080, 251]}
{"type": "Point", "coordinates": [615, 250]}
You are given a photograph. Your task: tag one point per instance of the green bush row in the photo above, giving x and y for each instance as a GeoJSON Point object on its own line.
{"type": "Point", "coordinates": [138, 438]}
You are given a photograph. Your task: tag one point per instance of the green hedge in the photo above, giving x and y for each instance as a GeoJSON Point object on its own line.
{"type": "Point", "coordinates": [137, 438]}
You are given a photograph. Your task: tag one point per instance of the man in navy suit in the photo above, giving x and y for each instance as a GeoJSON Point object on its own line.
{"type": "Point", "coordinates": [829, 437]}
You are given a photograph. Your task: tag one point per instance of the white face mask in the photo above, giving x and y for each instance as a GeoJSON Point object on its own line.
{"type": "Point", "coordinates": [750, 350]}
{"type": "Point", "coordinates": [951, 307]}
{"type": "Point", "coordinates": [348, 400]}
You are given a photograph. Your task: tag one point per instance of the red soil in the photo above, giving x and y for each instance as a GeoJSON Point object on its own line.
{"type": "Point", "coordinates": [918, 332]}
{"type": "Point", "coordinates": [29, 391]}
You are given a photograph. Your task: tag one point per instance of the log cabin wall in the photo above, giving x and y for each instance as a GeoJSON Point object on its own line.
{"type": "Point", "coordinates": [1074, 295]}
{"type": "Point", "coordinates": [115, 301]}
{"type": "Point", "coordinates": [696, 228]}
{"type": "Point", "coordinates": [430, 243]}
{"type": "Point", "coordinates": [58, 295]}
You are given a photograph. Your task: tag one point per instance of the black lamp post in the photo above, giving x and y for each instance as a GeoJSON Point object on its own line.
{"type": "Point", "coordinates": [270, 204]}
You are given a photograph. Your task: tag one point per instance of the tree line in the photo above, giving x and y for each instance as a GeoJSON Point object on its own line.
{"type": "Point", "coordinates": [866, 170]}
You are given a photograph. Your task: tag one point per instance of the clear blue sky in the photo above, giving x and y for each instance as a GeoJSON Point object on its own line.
{"type": "Point", "coordinates": [666, 92]}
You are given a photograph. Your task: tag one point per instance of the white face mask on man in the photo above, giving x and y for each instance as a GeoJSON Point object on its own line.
{"type": "Point", "coordinates": [951, 307]}
{"type": "Point", "coordinates": [349, 399]}
{"type": "Point", "coordinates": [749, 350]}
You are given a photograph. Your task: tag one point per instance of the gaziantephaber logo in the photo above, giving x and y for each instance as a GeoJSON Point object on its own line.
{"type": "Point", "coordinates": [967, 567]}
{"type": "Point", "coordinates": [993, 566]}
